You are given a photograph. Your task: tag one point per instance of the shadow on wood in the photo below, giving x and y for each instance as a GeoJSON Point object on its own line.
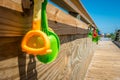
{"type": "Point", "coordinates": [69, 38]}
{"type": "Point", "coordinates": [30, 73]}
{"type": "Point", "coordinates": [116, 43]}
{"type": "Point", "coordinates": [10, 48]}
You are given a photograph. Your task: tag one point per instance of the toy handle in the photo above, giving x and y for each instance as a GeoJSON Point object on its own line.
{"type": "Point", "coordinates": [37, 15]}
{"type": "Point", "coordinates": [44, 17]}
{"type": "Point", "coordinates": [36, 32]}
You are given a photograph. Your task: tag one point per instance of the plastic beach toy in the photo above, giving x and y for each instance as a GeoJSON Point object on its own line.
{"type": "Point", "coordinates": [35, 41]}
{"type": "Point", "coordinates": [90, 32]}
{"type": "Point", "coordinates": [98, 33]}
{"type": "Point", "coordinates": [54, 40]}
{"type": "Point", "coordinates": [95, 36]}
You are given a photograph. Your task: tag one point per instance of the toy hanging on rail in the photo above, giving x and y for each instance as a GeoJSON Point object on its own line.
{"type": "Point", "coordinates": [95, 36]}
{"type": "Point", "coordinates": [41, 40]}
{"type": "Point", "coordinates": [36, 41]}
{"type": "Point", "coordinates": [90, 33]}
{"type": "Point", "coordinates": [54, 39]}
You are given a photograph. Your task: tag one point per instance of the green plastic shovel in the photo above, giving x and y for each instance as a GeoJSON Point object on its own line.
{"type": "Point", "coordinates": [54, 39]}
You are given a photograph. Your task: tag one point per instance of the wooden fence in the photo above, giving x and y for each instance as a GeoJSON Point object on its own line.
{"type": "Point", "coordinates": [76, 48]}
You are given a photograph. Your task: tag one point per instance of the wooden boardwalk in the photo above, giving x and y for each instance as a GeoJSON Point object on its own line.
{"type": "Point", "coordinates": [105, 64]}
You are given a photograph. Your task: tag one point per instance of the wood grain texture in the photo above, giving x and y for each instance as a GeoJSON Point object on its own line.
{"type": "Point", "coordinates": [71, 64]}
{"type": "Point", "coordinates": [74, 6]}
{"type": "Point", "coordinates": [75, 53]}
{"type": "Point", "coordinates": [19, 23]}
{"type": "Point", "coordinates": [105, 63]}
{"type": "Point", "coordinates": [77, 7]}
{"type": "Point", "coordinates": [82, 9]}
{"type": "Point", "coordinates": [12, 4]}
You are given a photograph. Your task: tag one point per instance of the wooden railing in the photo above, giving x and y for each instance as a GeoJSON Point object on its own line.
{"type": "Point", "coordinates": [76, 49]}
{"type": "Point", "coordinates": [17, 17]}
{"type": "Point", "coordinates": [77, 7]}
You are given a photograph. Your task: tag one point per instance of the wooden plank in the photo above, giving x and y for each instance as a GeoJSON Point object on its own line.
{"type": "Point", "coordinates": [59, 16]}
{"type": "Point", "coordinates": [62, 29]}
{"type": "Point", "coordinates": [105, 63]}
{"type": "Point", "coordinates": [70, 7]}
{"type": "Point", "coordinates": [17, 24]}
{"type": "Point", "coordinates": [79, 5]}
{"type": "Point", "coordinates": [64, 23]}
{"type": "Point", "coordinates": [12, 4]}
{"type": "Point", "coordinates": [71, 64]}
{"type": "Point", "coordinates": [75, 6]}
{"type": "Point", "coordinates": [65, 5]}
{"type": "Point", "coordinates": [17, 5]}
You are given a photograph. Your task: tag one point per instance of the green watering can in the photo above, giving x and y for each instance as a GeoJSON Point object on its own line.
{"type": "Point", "coordinates": [54, 39]}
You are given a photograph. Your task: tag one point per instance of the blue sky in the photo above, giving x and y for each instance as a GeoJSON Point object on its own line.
{"type": "Point", "coordinates": [105, 13]}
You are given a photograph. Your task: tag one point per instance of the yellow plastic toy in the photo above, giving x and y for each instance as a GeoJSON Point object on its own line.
{"type": "Point", "coordinates": [35, 41]}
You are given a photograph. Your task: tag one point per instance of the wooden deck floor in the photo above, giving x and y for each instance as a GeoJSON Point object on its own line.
{"type": "Point", "coordinates": [105, 64]}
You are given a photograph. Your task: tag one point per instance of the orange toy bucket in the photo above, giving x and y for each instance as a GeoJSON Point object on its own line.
{"type": "Point", "coordinates": [35, 41]}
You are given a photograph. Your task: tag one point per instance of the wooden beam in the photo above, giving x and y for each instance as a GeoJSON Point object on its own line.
{"type": "Point", "coordinates": [69, 5]}
{"type": "Point", "coordinates": [12, 4]}
{"type": "Point", "coordinates": [57, 15]}
{"type": "Point", "coordinates": [64, 4]}
{"type": "Point", "coordinates": [83, 11]}
{"type": "Point", "coordinates": [75, 6]}
{"type": "Point", "coordinates": [26, 4]}
{"type": "Point", "coordinates": [71, 64]}
{"type": "Point", "coordinates": [14, 23]}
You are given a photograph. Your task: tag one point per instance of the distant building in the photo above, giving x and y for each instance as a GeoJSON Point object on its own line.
{"type": "Point", "coordinates": [117, 38]}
